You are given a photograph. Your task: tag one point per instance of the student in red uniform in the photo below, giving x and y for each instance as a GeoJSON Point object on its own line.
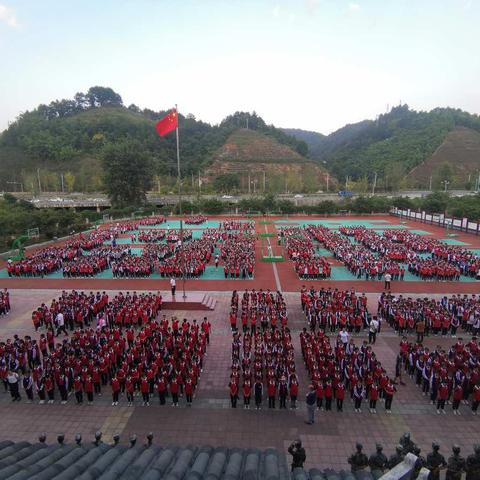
{"type": "Point", "coordinates": [89, 389]}
{"type": "Point", "coordinates": [189, 391]}
{"type": "Point", "coordinates": [115, 384]}
{"type": "Point", "coordinates": [340, 396]}
{"type": "Point", "coordinates": [233, 386]}
{"type": "Point", "coordinates": [174, 391]}
{"type": "Point", "coordinates": [78, 388]}
{"type": "Point", "coordinates": [442, 397]}
{"type": "Point", "coordinates": [373, 397]}
{"type": "Point", "coordinates": [389, 392]}
{"type": "Point", "coordinates": [161, 389]}
{"type": "Point", "coordinates": [271, 392]}
{"type": "Point", "coordinates": [457, 398]}
{"type": "Point", "coordinates": [130, 390]}
{"type": "Point", "coordinates": [145, 391]}
{"type": "Point", "coordinates": [293, 393]}
{"type": "Point", "coordinates": [247, 393]}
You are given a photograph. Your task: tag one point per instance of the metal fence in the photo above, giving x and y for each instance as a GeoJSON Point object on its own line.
{"type": "Point", "coordinates": [439, 219]}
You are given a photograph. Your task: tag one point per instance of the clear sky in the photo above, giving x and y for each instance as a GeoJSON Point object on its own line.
{"type": "Point", "coordinates": [312, 64]}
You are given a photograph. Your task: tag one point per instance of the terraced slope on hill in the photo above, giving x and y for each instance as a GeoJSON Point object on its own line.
{"type": "Point", "coordinates": [456, 160]}
{"type": "Point", "coordinates": [250, 153]}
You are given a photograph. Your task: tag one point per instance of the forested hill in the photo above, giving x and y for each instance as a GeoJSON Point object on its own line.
{"type": "Point", "coordinates": [393, 145]}
{"type": "Point", "coordinates": [68, 137]}
{"type": "Point", "coordinates": [314, 140]}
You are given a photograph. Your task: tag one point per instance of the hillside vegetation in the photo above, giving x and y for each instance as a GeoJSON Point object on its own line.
{"type": "Point", "coordinates": [269, 165]}
{"type": "Point", "coordinates": [67, 138]}
{"type": "Point", "coordinates": [396, 143]}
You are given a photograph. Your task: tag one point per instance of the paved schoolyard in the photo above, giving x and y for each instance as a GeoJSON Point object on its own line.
{"type": "Point", "coordinates": [211, 420]}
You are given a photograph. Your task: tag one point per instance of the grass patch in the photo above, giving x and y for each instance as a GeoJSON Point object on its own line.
{"type": "Point", "coordinates": [265, 235]}
{"type": "Point", "coordinates": [273, 258]}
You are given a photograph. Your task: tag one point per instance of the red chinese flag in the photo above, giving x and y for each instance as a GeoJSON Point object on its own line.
{"type": "Point", "coordinates": [167, 124]}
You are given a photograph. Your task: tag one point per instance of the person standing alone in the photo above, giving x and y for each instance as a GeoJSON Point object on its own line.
{"type": "Point", "coordinates": [311, 399]}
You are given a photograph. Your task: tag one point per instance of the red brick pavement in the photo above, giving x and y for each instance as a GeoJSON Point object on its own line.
{"type": "Point", "coordinates": [212, 421]}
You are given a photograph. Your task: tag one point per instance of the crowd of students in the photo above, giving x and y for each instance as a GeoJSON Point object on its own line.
{"type": "Point", "coordinates": [373, 255]}
{"type": "Point", "coordinates": [301, 250]}
{"type": "Point", "coordinates": [433, 269]}
{"type": "Point", "coordinates": [42, 262]}
{"type": "Point", "coordinates": [4, 302]}
{"type": "Point", "coordinates": [260, 309]}
{"type": "Point", "coordinates": [445, 376]}
{"type": "Point", "coordinates": [429, 316]}
{"type": "Point", "coordinates": [115, 346]}
{"type": "Point", "coordinates": [87, 255]}
{"type": "Point", "coordinates": [237, 251]}
{"type": "Point", "coordinates": [148, 236]}
{"type": "Point", "coordinates": [331, 309]}
{"type": "Point", "coordinates": [357, 258]}
{"type": "Point", "coordinates": [196, 220]}
{"type": "Point", "coordinates": [343, 368]}
{"type": "Point", "coordinates": [189, 260]}
{"type": "Point", "coordinates": [247, 227]}
{"type": "Point", "coordinates": [263, 367]}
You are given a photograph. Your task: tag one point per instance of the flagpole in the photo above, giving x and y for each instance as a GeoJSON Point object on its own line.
{"type": "Point", "coordinates": [180, 202]}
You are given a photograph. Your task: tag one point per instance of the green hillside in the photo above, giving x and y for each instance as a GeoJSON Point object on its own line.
{"type": "Point", "coordinates": [67, 137]}
{"type": "Point", "coordinates": [392, 146]}
{"type": "Point", "coordinates": [314, 140]}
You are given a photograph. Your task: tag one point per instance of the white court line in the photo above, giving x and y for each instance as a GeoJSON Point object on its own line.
{"type": "Point", "coordinates": [274, 265]}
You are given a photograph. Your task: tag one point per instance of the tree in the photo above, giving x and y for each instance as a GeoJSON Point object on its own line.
{"type": "Point", "coordinates": [435, 202]}
{"type": "Point", "coordinates": [227, 182]}
{"type": "Point", "coordinates": [69, 181]}
{"type": "Point", "coordinates": [103, 97]}
{"type": "Point", "coordinates": [128, 172]}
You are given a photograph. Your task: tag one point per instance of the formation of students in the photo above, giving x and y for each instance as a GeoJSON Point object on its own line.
{"type": "Point", "coordinates": [331, 309]}
{"type": "Point", "coordinates": [148, 236]}
{"type": "Point", "coordinates": [237, 252]}
{"type": "Point", "coordinates": [196, 220]}
{"type": "Point", "coordinates": [189, 259]}
{"type": "Point", "coordinates": [260, 309]}
{"type": "Point", "coordinates": [97, 260]}
{"type": "Point", "coordinates": [77, 309]}
{"type": "Point", "coordinates": [429, 316]}
{"type": "Point", "coordinates": [430, 269]}
{"type": "Point", "coordinates": [128, 353]}
{"type": "Point", "coordinates": [236, 225]}
{"type": "Point", "coordinates": [42, 262]}
{"type": "Point", "coordinates": [4, 302]}
{"type": "Point", "coordinates": [360, 260]}
{"type": "Point", "coordinates": [344, 367]}
{"type": "Point", "coordinates": [87, 255]}
{"type": "Point", "coordinates": [445, 376]}
{"type": "Point", "coordinates": [263, 366]}
{"type": "Point", "coordinates": [301, 251]}
{"type": "Point", "coordinates": [373, 255]}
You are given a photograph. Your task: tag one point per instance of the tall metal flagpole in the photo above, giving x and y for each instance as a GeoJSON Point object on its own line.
{"type": "Point", "coordinates": [180, 203]}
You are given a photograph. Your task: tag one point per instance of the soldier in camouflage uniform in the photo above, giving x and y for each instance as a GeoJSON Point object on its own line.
{"type": "Point", "coordinates": [435, 462]}
{"type": "Point", "coordinates": [358, 461]}
{"type": "Point", "coordinates": [456, 465]}
{"type": "Point", "coordinates": [473, 464]}
{"type": "Point", "coordinates": [397, 457]}
{"type": "Point", "coordinates": [378, 462]}
{"type": "Point", "coordinates": [406, 443]}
